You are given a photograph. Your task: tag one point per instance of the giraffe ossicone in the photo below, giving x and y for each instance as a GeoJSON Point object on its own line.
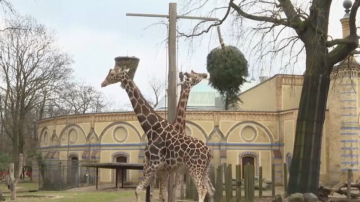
{"type": "Point", "coordinates": [167, 149]}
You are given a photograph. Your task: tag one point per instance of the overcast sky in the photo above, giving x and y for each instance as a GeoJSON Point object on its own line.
{"type": "Point", "coordinates": [94, 32]}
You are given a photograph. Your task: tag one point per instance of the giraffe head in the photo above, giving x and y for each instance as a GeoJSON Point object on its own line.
{"type": "Point", "coordinates": [115, 75]}
{"type": "Point", "coordinates": [194, 78]}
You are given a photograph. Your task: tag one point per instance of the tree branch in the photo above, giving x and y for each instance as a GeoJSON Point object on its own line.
{"type": "Point", "coordinates": [342, 50]}
{"type": "Point", "coordinates": [208, 29]}
{"type": "Point", "coordinates": [340, 41]}
{"type": "Point", "coordinates": [258, 18]}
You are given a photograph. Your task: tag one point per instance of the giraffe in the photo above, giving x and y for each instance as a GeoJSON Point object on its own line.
{"type": "Point", "coordinates": [166, 148]}
{"type": "Point", "coordinates": [191, 80]}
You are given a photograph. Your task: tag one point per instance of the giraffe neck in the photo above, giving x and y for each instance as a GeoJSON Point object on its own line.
{"type": "Point", "coordinates": [179, 122]}
{"type": "Point", "coordinates": [146, 115]}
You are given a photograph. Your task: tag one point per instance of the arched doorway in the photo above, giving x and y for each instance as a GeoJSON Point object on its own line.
{"type": "Point", "coordinates": [73, 171]}
{"type": "Point", "coordinates": [120, 173]}
{"type": "Point", "coordinates": [247, 160]}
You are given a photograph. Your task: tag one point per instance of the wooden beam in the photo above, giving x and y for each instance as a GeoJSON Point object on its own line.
{"type": "Point", "coordinates": [96, 178]}
{"type": "Point", "coordinates": [172, 79]}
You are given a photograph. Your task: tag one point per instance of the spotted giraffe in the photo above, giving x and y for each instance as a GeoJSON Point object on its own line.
{"type": "Point", "coordinates": [167, 148]}
{"type": "Point", "coordinates": [191, 80]}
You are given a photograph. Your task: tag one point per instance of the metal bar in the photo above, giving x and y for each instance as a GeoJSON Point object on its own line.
{"type": "Point", "coordinates": [147, 15]}
{"type": "Point", "coordinates": [167, 16]}
{"type": "Point", "coordinates": [197, 18]}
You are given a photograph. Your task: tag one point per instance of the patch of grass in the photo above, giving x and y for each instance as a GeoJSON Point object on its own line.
{"type": "Point", "coordinates": [66, 196]}
{"type": "Point", "coordinates": [22, 186]}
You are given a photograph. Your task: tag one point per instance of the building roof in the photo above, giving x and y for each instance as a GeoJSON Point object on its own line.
{"type": "Point", "coordinates": [349, 63]}
{"type": "Point", "coordinates": [204, 97]}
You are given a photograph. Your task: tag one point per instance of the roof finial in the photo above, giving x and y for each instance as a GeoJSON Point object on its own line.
{"type": "Point", "coordinates": [347, 5]}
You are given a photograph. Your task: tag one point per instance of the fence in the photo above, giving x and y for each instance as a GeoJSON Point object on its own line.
{"type": "Point", "coordinates": [57, 175]}
{"type": "Point", "coordinates": [244, 187]}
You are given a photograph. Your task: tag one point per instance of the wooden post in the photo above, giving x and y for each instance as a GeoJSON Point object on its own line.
{"type": "Point", "coordinates": [246, 185]}
{"type": "Point", "coordinates": [273, 180]}
{"type": "Point", "coordinates": [147, 196]}
{"type": "Point", "coordinates": [251, 172]}
{"type": "Point", "coordinates": [349, 185]}
{"type": "Point", "coordinates": [122, 177]}
{"type": "Point", "coordinates": [172, 78]}
{"type": "Point", "coordinates": [285, 178]}
{"type": "Point", "coordinates": [96, 178]}
{"type": "Point", "coordinates": [260, 182]}
{"type": "Point", "coordinates": [238, 183]}
{"type": "Point", "coordinates": [182, 196]}
{"type": "Point", "coordinates": [230, 181]}
{"type": "Point", "coordinates": [219, 185]}
{"type": "Point", "coordinates": [187, 194]}
{"type": "Point", "coordinates": [116, 178]}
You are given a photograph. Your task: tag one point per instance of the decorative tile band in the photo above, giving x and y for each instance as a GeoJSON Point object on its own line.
{"type": "Point", "coordinates": [349, 128]}
{"type": "Point", "coordinates": [349, 133]}
{"type": "Point", "coordinates": [349, 140]}
{"type": "Point", "coordinates": [350, 169]}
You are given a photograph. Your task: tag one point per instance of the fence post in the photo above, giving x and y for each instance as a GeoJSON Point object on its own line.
{"type": "Point", "coordinates": [260, 182]}
{"type": "Point", "coordinates": [273, 180]}
{"type": "Point", "coordinates": [246, 182]}
{"type": "Point", "coordinates": [349, 185]}
{"type": "Point", "coordinates": [252, 181]}
{"type": "Point", "coordinates": [212, 175]}
{"type": "Point", "coordinates": [238, 183]}
{"type": "Point", "coordinates": [229, 183]}
{"type": "Point", "coordinates": [60, 176]}
{"type": "Point", "coordinates": [219, 185]}
{"type": "Point", "coordinates": [187, 192]}
{"type": "Point", "coordinates": [285, 178]}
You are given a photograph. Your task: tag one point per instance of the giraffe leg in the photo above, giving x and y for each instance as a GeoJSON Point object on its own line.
{"type": "Point", "coordinates": [180, 181]}
{"type": "Point", "coordinates": [209, 187]}
{"type": "Point", "coordinates": [163, 195]}
{"type": "Point", "coordinates": [148, 178]}
{"type": "Point", "coordinates": [198, 178]}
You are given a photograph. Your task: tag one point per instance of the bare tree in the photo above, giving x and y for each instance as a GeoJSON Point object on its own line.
{"type": "Point", "coordinates": [287, 28]}
{"type": "Point", "coordinates": [157, 89]}
{"type": "Point", "coordinates": [30, 65]}
{"type": "Point", "coordinates": [76, 98]}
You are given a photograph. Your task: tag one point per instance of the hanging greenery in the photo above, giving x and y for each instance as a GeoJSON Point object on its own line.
{"type": "Point", "coordinates": [228, 69]}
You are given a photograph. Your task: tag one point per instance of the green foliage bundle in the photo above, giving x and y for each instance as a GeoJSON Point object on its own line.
{"type": "Point", "coordinates": [228, 69]}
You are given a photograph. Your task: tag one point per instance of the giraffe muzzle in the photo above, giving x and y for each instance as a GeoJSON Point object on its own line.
{"type": "Point", "coordinates": [104, 83]}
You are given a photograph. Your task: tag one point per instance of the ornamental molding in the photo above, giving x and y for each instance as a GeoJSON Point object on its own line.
{"type": "Point", "coordinates": [216, 116]}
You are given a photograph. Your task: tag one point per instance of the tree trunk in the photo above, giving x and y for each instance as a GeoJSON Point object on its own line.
{"type": "Point", "coordinates": [305, 165]}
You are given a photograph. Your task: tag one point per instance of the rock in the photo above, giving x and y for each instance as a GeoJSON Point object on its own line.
{"type": "Point", "coordinates": [297, 197]}
{"type": "Point", "coordinates": [267, 181]}
{"type": "Point", "coordinates": [310, 197]}
{"type": "Point", "coordinates": [278, 198]}
{"type": "Point", "coordinates": [264, 186]}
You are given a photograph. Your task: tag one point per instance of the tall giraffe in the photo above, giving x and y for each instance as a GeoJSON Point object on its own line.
{"type": "Point", "coordinates": [191, 80]}
{"type": "Point", "coordinates": [166, 148]}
